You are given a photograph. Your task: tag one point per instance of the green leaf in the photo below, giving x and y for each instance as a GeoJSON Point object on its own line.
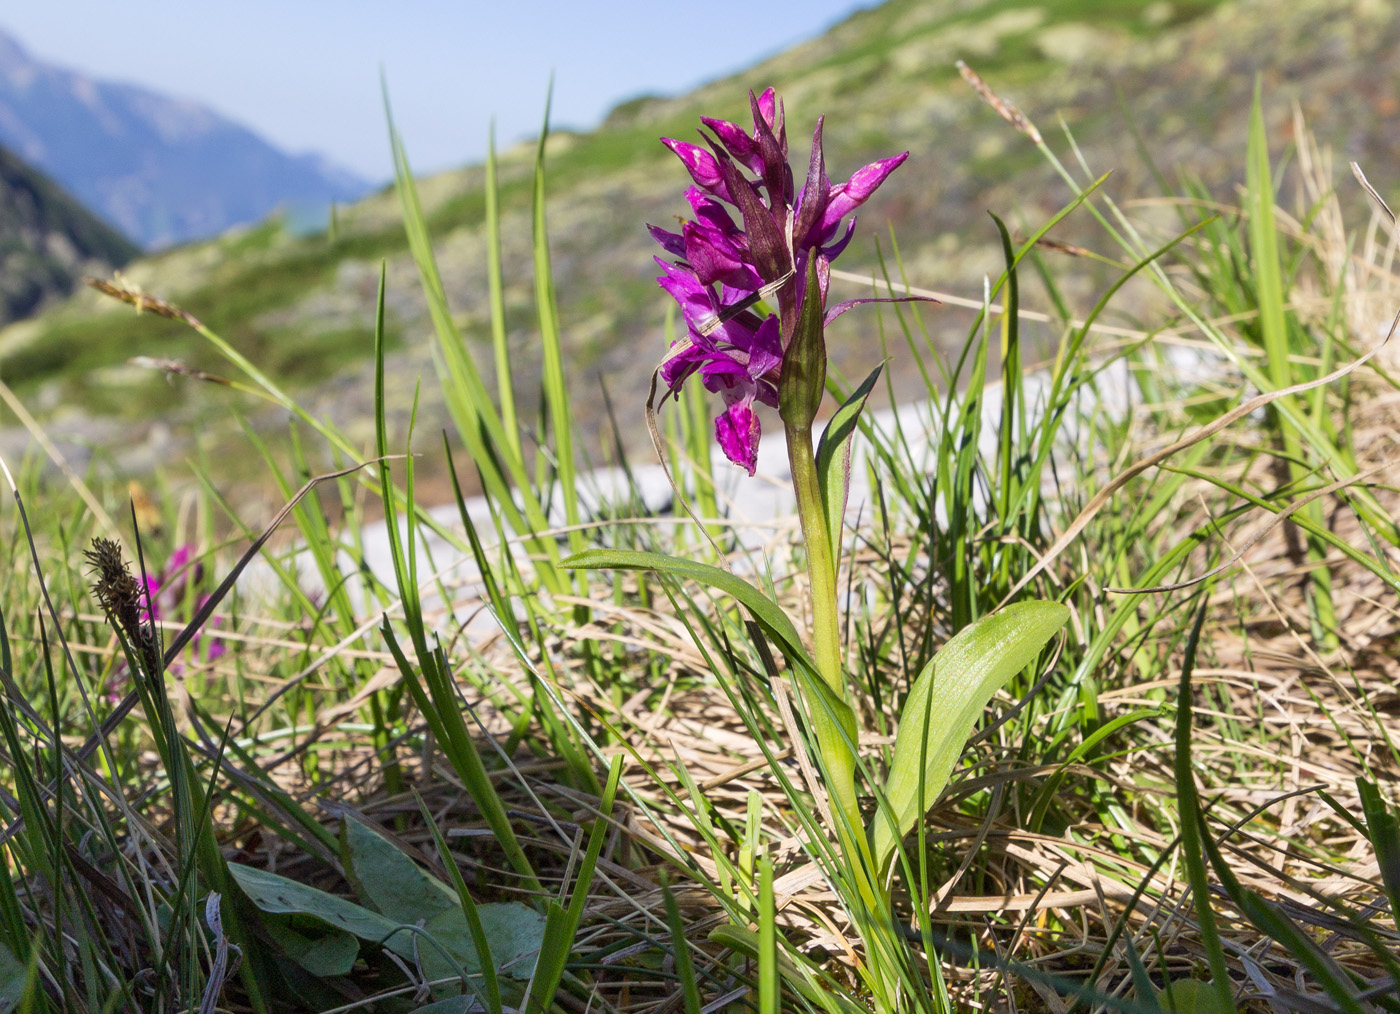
{"type": "Point", "coordinates": [513, 993]}
{"type": "Point", "coordinates": [452, 1005]}
{"type": "Point", "coordinates": [834, 459]}
{"type": "Point", "coordinates": [769, 616]}
{"type": "Point", "coordinates": [803, 978]}
{"type": "Point", "coordinates": [387, 880]}
{"type": "Point", "coordinates": [277, 895]}
{"type": "Point", "coordinates": [1190, 996]}
{"type": "Point", "coordinates": [13, 979]}
{"type": "Point", "coordinates": [1383, 829]}
{"type": "Point", "coordinates": [832, 718]}
{"type": "Point", "coordinates": [322, 950]}
{"type": "Point", "coordinates": [514, 931]}
{"type": "Point", "coordinates": [955, 686]}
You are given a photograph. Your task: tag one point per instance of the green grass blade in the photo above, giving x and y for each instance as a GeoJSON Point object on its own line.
{"type": "Point", "coordinates": [1383, 829]}
{"type": "Point", "coordinates": [562, 924]}
{"type": "Point", "coordinates": [769, 983]}
{"type": "Point", "coordinates": [680, 950]}
{"type": "Point", "coordinates": [495, 282]}
{"type": "Point", "coordinates": [1188, 803]}
{"type": "Point", "coordinates": [556, 388]}
{"type": "Point", "coordinates": [490, 993]}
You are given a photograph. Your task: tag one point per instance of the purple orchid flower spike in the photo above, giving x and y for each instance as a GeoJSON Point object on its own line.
{"type": "Point", "coordinates": [721, 271]}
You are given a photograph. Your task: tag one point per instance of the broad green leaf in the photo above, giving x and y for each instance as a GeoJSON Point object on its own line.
{"type": "Point", "coordinates": [322, 950]}
{"type": "Point", "coordinates": [278, 895]}
{"type": "Point", "coordinates": [512, 993]}
{"type": "Point", "coordinates": [452, 1005]}
{"type": "Point", "coordinates": [13, 978]}
{"type": "Point", "coordinates": [1190, 996]}
{"type": "Point", "coordinates": [387, 880]}
{"type": "Point", "coordinates": [1383, 829]}
{"type": "Point", "coordinates": [513, 930]}
{"type": "Point", "coordinates": [954, 687]}
{"type": "Point", "coordinates": [834, 459]}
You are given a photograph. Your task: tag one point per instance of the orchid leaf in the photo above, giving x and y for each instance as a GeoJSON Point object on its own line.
{"type": "Point", "coordinates": [833, 721]}
{"type": "Point", "coordinates": [1191, 996]}
{"type": "Point", "coordinates": [389, 881]}
{"type": "Point", "coordinates": [834, 459]}
{"type": "Point", "coordinates": [1383, 829]}
{"type": "Point", "coordinates": [955, 686]}
{"type": "Point", "coordinates": [320, 949]}
{"type": "Point", "coordinates": [14, 978]}
{"type": "Point", "coordinates": [770, 617]}
{"type": "Point", "coordinates": [515, 932]}
{"type": "Point", "coordinates": [277, 895]}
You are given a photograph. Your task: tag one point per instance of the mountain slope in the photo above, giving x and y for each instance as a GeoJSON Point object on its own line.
{"type": "Point", "coordinates": [48, 241]}
{"type": "Point", "coordinates": [302, 306]}
{"type": "Point", "coordinates": [162, 170]}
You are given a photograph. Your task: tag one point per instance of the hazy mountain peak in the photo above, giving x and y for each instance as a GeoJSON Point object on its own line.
{"type": "Point", "coordinates": [162, 169]}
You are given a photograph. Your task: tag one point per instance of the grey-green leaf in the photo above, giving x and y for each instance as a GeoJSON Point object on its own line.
{"type": "Point", "coordinates": [953, 689]}
{"type": "Point", "coordinates": [322, 950]}
{"type": "Point", "coordinates": [513, 930]}
{"type": "Point", "coordinates": [13, 977]}
{"type": "Point", "coordinates": [278, 895]}
{"type": "Point", "coordinates": [829, 712]}
{"type": "Point", "coordinates": [1190, 996]}
{"type": "Point", "coordinates": [389, 881]}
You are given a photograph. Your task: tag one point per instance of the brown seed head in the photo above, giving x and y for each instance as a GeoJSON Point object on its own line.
{"type": "Point", "coordinates": [120, 596]}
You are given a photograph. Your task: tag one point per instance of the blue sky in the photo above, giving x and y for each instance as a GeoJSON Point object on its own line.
{"type": "Point", "coordinates": [305, 73]}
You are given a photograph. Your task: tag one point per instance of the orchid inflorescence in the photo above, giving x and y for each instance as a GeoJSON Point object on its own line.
{"type": "Point", "coordinates": [722, 272]}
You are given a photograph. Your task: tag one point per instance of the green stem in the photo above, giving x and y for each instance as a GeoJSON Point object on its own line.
{"type": "Point", "coordinates": [836, 747]}
{"type": "Point", "coordinates": [821, 567]}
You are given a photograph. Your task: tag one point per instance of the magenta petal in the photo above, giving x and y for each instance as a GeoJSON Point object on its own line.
{"type": "Point", "coordinates": [736, 142]}
{"type": "Point", "coordinates": [767, 106]}
{"type": "Point", "coordinates": [716, 258]}
{"type": "Point", "coordinates": [737, 431]}
{"type": "Point", "coordinates": [671, 242]}
{"type": "Point", "coordinates": [834, 250]}
{"type": "Point", "coordinates": [846, 197]}
{"type": "Point", "coordinates": [696, 301]}
{"type": "Point", "coordinates": [766, 348]}
{"type": "Point", "coordinates": [701, 165]}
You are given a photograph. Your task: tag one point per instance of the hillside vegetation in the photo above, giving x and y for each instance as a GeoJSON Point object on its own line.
{"type": "Point", "coordinates": [301, 306]}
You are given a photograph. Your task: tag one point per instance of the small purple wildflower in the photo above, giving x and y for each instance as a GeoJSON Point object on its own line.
{"type": "Point", "coordinates": [171, 588]}
{"type": "Point", "coordinates": [721, 270]}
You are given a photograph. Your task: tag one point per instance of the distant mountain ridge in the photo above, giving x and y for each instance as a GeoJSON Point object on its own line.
{"type": "Point", "coordinates": [160, 169]}
{"type": "Point", "coordinates": [48, 241]}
